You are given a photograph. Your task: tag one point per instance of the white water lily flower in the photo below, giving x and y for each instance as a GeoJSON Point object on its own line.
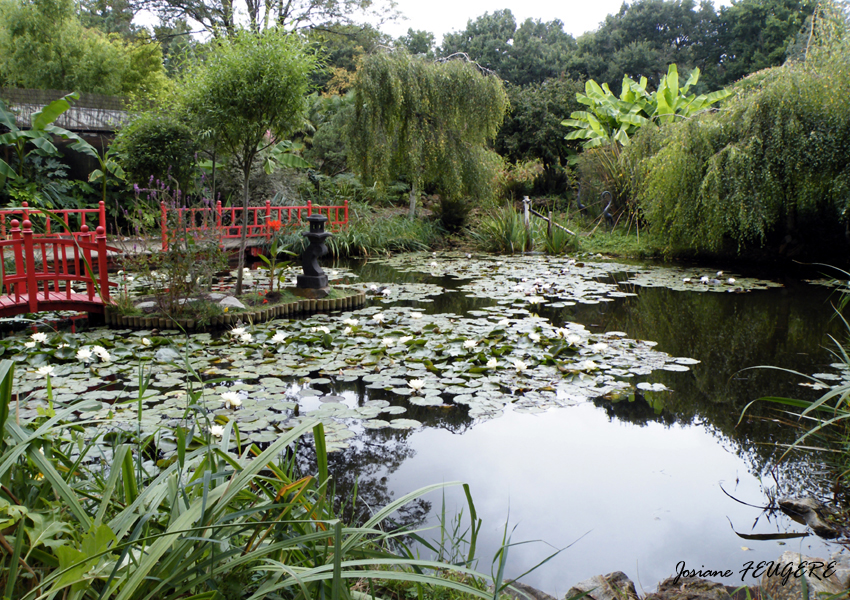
{"type": "Point", "coordinates": [504, 322]}
{"type": "Point", "coordinates": [534, 300]}
{"type": "Point", "coordinates": [323, 329]}
{"type": "Point", "coordinates": [599, 347]}
{"type": "Point", "coordinates": [588, 365]}
{"type": "Point", "coordinates": [347, 331]}
{"type": "Point", "coordinates": [278, 337]}
{"type": "Point", "coordinates": [29, 344]}
{"type": "Point", "coordinates": [231, 399]}
{"type": "Point", "coordinates": [387, 292]}
{"type": "Point", "coordinates": [39, 337]}
{"type": "Point", "coordinates": [574, 339]}
{"type": "Point", "coordinates": [405, 339]}
{"type": "Point", "coordinates": [217, 430]}
{"type": "Point", "coordinates": [378, 318]}
{"type": "Point", "coordinates": [146, 342]}
{"type": "Point", "coordinates": [434, 265]}
{"type": "Point", "coordinates": [519, 365]}
{"type": "Point", "coordinates": [237, 331]}
{"type": "Point", "coordinates": [388, 342]}
{"type": "Point", "coordinates": [416, 384]}
{"type": "Point", "coordinates": [416, 315]}
{"type": "Point", "coordinates": [703, 279]}
{"type": "Point", "coordinates": [469, 344]}
{"type": "Point", "coordinates": [731, 281]}
{"type": "Point", "coordinates": [84, 354]}
{"type": "Point", "coordinates": [246, 338]}
{"type": "Point", "coordinates": [373, 288]}
{"type": "Point", "coordinates": [686, 280]}
{"type": "Point", "coordinates": [534, 337]}
{"type": "Point", "coordinates": [46, 370]}
{"type": "Point", "coordinates": [102, 353]}
{"type": "Point", "coordinates": [352, 322]}
{"type": "Point", "coordinates": [492, 363]}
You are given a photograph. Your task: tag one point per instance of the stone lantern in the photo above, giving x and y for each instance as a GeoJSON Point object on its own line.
{"type": "Point", "coordinates": [314, 283]}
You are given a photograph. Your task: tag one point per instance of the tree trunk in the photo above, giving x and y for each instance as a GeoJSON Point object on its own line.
{"type": "Point", "coordinates": [244, 238]}
{"type": "Point", "coordinates": [414, 194]}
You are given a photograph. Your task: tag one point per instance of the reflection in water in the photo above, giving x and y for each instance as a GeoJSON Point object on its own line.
{"type": "Point", "coordinates": [638, 476]}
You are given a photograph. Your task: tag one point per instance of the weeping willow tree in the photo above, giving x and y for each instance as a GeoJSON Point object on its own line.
{"type": "Point", "coordinates": [772, 168]}
{"type": "Point", "coordinates": [427, 123]}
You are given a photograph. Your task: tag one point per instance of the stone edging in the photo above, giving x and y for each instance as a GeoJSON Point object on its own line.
{"type": "Point", "coordinates": [298, 307]}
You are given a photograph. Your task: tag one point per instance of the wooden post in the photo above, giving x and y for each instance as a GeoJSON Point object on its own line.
{"type": "Point", "coordinates": [526, 219]}
{"type": "Point", "coordinates": [29, 266]}
{"type": "Point", "coordinates": [164, 226]}
{"type": "Point", "coordinates": [549, 226]}
{"type": "Point", "coordinates": [102, 264]}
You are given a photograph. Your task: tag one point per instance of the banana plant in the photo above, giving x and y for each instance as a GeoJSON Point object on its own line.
{"type": "Point", "coordinates": [38, 138]}
{"type": "Point", "coordinates": [283, 154]}
{"type": "Point", "coordinates": [612, 119]}
{"type": "Point", "coordinates": [108, 165]}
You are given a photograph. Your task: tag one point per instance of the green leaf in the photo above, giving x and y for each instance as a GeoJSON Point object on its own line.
{"type": "Point", "coordinates": [52, 111]}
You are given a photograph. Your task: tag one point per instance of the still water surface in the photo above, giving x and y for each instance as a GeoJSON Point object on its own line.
{"type": "Point", "coordinates": [632, 485]}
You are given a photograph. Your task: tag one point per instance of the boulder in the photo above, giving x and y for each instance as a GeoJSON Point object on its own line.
{"type": "Point", "coordinates": [147, 305]}
{"type": "Point", "coordinates": [613, 586]}
{"type": "Point", "coordinates": [230, 302]}
{"type": "Point", "coordinates": [784, 582]}
{"type": "Point", "coordinates": [694, 588]}
{"type": "Point", "coordinates": [521, 591]}
{"type": "Point", "coordinates": [810, 512]}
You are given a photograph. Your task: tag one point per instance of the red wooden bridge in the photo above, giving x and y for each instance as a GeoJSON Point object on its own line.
{"type": "Point", "coordinates": [55, 267]}
{"type": "Point", "coordinates": [225, 223]}
{"type": "Point", "coordinates": [51, 260]}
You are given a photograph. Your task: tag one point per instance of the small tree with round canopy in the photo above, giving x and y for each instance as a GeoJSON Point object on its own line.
{"type": "Point", "coordinates": [248, 93]}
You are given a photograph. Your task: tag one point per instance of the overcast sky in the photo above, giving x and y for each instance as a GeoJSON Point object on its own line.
{"type": "Point", "coordinates": [443, 16]}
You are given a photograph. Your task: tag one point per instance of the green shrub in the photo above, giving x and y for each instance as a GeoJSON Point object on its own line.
{"type": "Point", "coordinates": [156, 145]}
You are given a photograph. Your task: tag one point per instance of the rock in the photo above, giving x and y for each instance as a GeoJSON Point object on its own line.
{"type": "Point", "coordinates": [311, 293]}
{"type": "Point", "coordinates": [810, 512]}
{"type": "Point", "coordinates": [148, 305]}
{"type": "Point", "coordinates": [231, 302]}
{"type": "Point", "coordinates": [842, 568]}
{"type": "Point", "coordinates": [693, 588]}
{"type": "Point", "coordinates": [784, 582]}
{"type": "Point", "coordinates": [216, 296]}
{"type": "Point", "coordinates": [613, 586]}
{"type": "Point", "coordinates": [520, 591]}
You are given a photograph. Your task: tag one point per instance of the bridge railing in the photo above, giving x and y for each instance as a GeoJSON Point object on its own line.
{"type": "Point", "coordinates": [46, 267]}
{"type": "Point", "coordinates": [54, 223]}
{"type": "Point", "coordinates": [227, 222]}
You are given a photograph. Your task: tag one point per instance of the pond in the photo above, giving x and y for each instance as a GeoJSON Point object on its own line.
{"type": "Point", "coordinates": [587, 403]}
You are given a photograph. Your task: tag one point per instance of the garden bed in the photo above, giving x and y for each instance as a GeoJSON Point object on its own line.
{"type": "Point", "coordinates": [260, 314]}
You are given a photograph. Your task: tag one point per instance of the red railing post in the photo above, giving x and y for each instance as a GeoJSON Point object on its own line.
{"type": "Point", "coordinates": [309, 207]}
{"type": "Point", "coordinates": [101, 213]}
{"type": "Point", "coordinates": [87, 239]}
{"type": "Point", "coordinates": [29, 266]}
{"type": "Point", "coordinates": [345, 222]}
{"type": "Point", "coordinates": [164, 226]}
{"type": "Point", "coordinates": [20, 266]}
{"type": "Point", "coordinates": [102, 267]}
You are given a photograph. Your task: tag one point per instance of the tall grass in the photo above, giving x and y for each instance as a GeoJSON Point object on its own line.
{"type": "Point", "coordinates": [370, 236]}
{"type": "Point", "coordinates": [502, 232]}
